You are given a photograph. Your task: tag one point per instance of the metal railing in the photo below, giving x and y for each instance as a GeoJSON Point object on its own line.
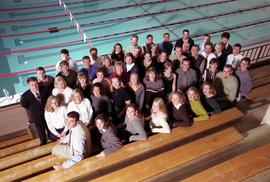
{"type": "Point", "coordinates": [257, 52]}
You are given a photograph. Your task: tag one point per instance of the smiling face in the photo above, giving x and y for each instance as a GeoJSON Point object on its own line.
{"type": "Point", "coordinates": [131, 112]}
{"type": "Point", "coordinates": [71, 122]}
{"type": "Point", "coordinates": [116, 83]}
{"type": "Point", "coordinates": [100, 124]}
{"type": "Point", "coordinates": [175, 99]}
{"type": "Point", "coordinates": [77, 98]}
{"type": "Point", "coordinates": [191, 95]}
{"type": "Point", "coordinates": [41, 74]}
{"type": "Point", "coordinates": [33, 86]}
{"type": "Point", "coordinates": [96, 91]}
{"type": "Point", "coordinates": [206, 90]}
{"type": "Point", "coordinates": [54, 103]}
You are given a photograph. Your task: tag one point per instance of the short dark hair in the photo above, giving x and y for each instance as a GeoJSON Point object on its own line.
{"type": "Point", "coordinates": [31, 79]}
{"type": "Point", "coordinates": [185, 30]}
{"type": "Point", "coordinates": [104, 118]}
{"type": "Point", "coordinates": [237, 45]}
{"type": "Point", "coordinates": [195, 45]}
{"type": "Point", "coordinates": [228, 66]}
{"type": "Point", "coordinates": [64, 51]}
{"type": "Point", "coordinates": [149, 35]}
{"type": "Point", "coordinates": [129, 54]}
{"type": "Point", "coordinates": [166, 34]}
{"type": "Point", "coordinates": [40, 69]}
{"type": "Point", "coordinates": [86, 57]}
{"type": "Point", "coordinates": [99, 70]}
{"type": "Point", "coordinates": [208, 43]}
{"type": "Point", "coordinates": [74, 114]}
{"type": "Point", "coordinates": [134, 36]}
{"type": "Point", "coordinates": [93, 49]}
{"type": "Point", "coordinates": [213, 60]}
{"type": "Point", "coordinates": [246, 59]}
{"type": "Point", "coordinates": [187, 60]}
{"type": "Point", "coordinates": [207, 35]}
{"type": "Point", "coordinates": [226, 35]}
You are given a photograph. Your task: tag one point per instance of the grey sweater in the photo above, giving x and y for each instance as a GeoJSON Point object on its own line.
{"type": "Point", "coordinates": [136, 128]}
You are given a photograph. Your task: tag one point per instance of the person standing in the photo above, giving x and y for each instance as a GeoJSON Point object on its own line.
{"type": "Point", "coordinates": [33, 102]}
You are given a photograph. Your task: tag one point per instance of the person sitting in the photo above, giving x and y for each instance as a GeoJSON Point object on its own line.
{"type": "Point", "coordinates": [55, 116]}
{"type": "Point", "coordinates": [106, 138]}
{"type": "Point", "coordinates": [197, 108]}
{"type": "Point", "coordinates": [227, 85]}
{"type": "Point", "coordinates": [78, 145]}
{"type": "Point", "coordinates": [179, 115]}
{"type": "Point", "coordinates": [209, 100]}
{"type": "Point", "coordinates": [134, 125]}
{"type": "Point", "coordinates": [159, 115]}
{"type": "Point", "coordinates": [82, 106]}
{"type": "Point", "coordinates": [62, 90]}
{"type": "Point", "coordinates": [244, 78]}
{"type": "Point", "coordinates": [69, 75]}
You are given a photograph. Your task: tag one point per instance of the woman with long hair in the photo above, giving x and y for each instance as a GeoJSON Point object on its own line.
{"type": "Point", "coordinates": [159, 116]}
{"type": "Point", "coordinates": [196, 105]}
{"type": "Point", "coordinates": [55, 116]}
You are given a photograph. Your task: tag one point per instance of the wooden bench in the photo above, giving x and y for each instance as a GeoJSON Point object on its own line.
{"type": "Point", "coordinates": [259, 91]}
{"type": "Point", "coordinates": [22, 171]}
{"type": "Point", "coordinates": [14, 141]}
{"type": "Point", "coordinates": [174, 158]}
{"type": "Point", "coordinates": [25, 156]}
{"type": "Point", "coordinates": [19, 147]}
{"type": "Point", "coordinates": [238, 168]}
{"type": "Point", "coordinates": [139, 148]}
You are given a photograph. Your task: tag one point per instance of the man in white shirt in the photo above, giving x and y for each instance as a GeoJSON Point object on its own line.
{"type": "Point", "coordinates": [207, 54]}
{"type": "Point", "coordinates": [78, 144]}
{"type": "Point", "coordinates": [65, 57]}
{"type": "Point", "coordinates": [235, 58]}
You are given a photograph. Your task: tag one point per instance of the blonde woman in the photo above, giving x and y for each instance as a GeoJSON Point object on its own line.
{"type": "Point", "coordinates": [82, 106]}
{"type": "Point", "coordinates": [159, 115]}
{"type": "Point", "coordinates": [196, 105]}
{"type": "Point", "coordinates": [178, 108]}
{"type": "Point", "coordinates": [137, 88]}
{"type": "Point", "coordinates": [119, 71]}
{"type": "Point", "coordinates": [55, 116]}
{"type": "Point", "coordinates": [61, 90]}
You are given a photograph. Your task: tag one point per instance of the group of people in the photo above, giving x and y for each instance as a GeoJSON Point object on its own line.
{"type": "Point", "coordinates": [133, 93]}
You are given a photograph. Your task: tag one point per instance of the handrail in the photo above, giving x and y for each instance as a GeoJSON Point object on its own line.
{"type": "Point", "coordinates": [257, 53]}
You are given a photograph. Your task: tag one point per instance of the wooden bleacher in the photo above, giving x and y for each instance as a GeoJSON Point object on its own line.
{"type": "Point", "coordinates": [259, 91]}
{"type": "Point", "coordinates": [139, 148]}
{"type": "Point", "coordinates": [19, 147]}
{"type": "Point", "coordinates": [238, 168]}
{"type": "Point", "coordinates": [26, 155]}
{"type": "Point", "coordinates": [173, 158]}
{"type": "Point", "coordinates": [14, 141]}
{"type": "Point", "coordinates": [22, 171]}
